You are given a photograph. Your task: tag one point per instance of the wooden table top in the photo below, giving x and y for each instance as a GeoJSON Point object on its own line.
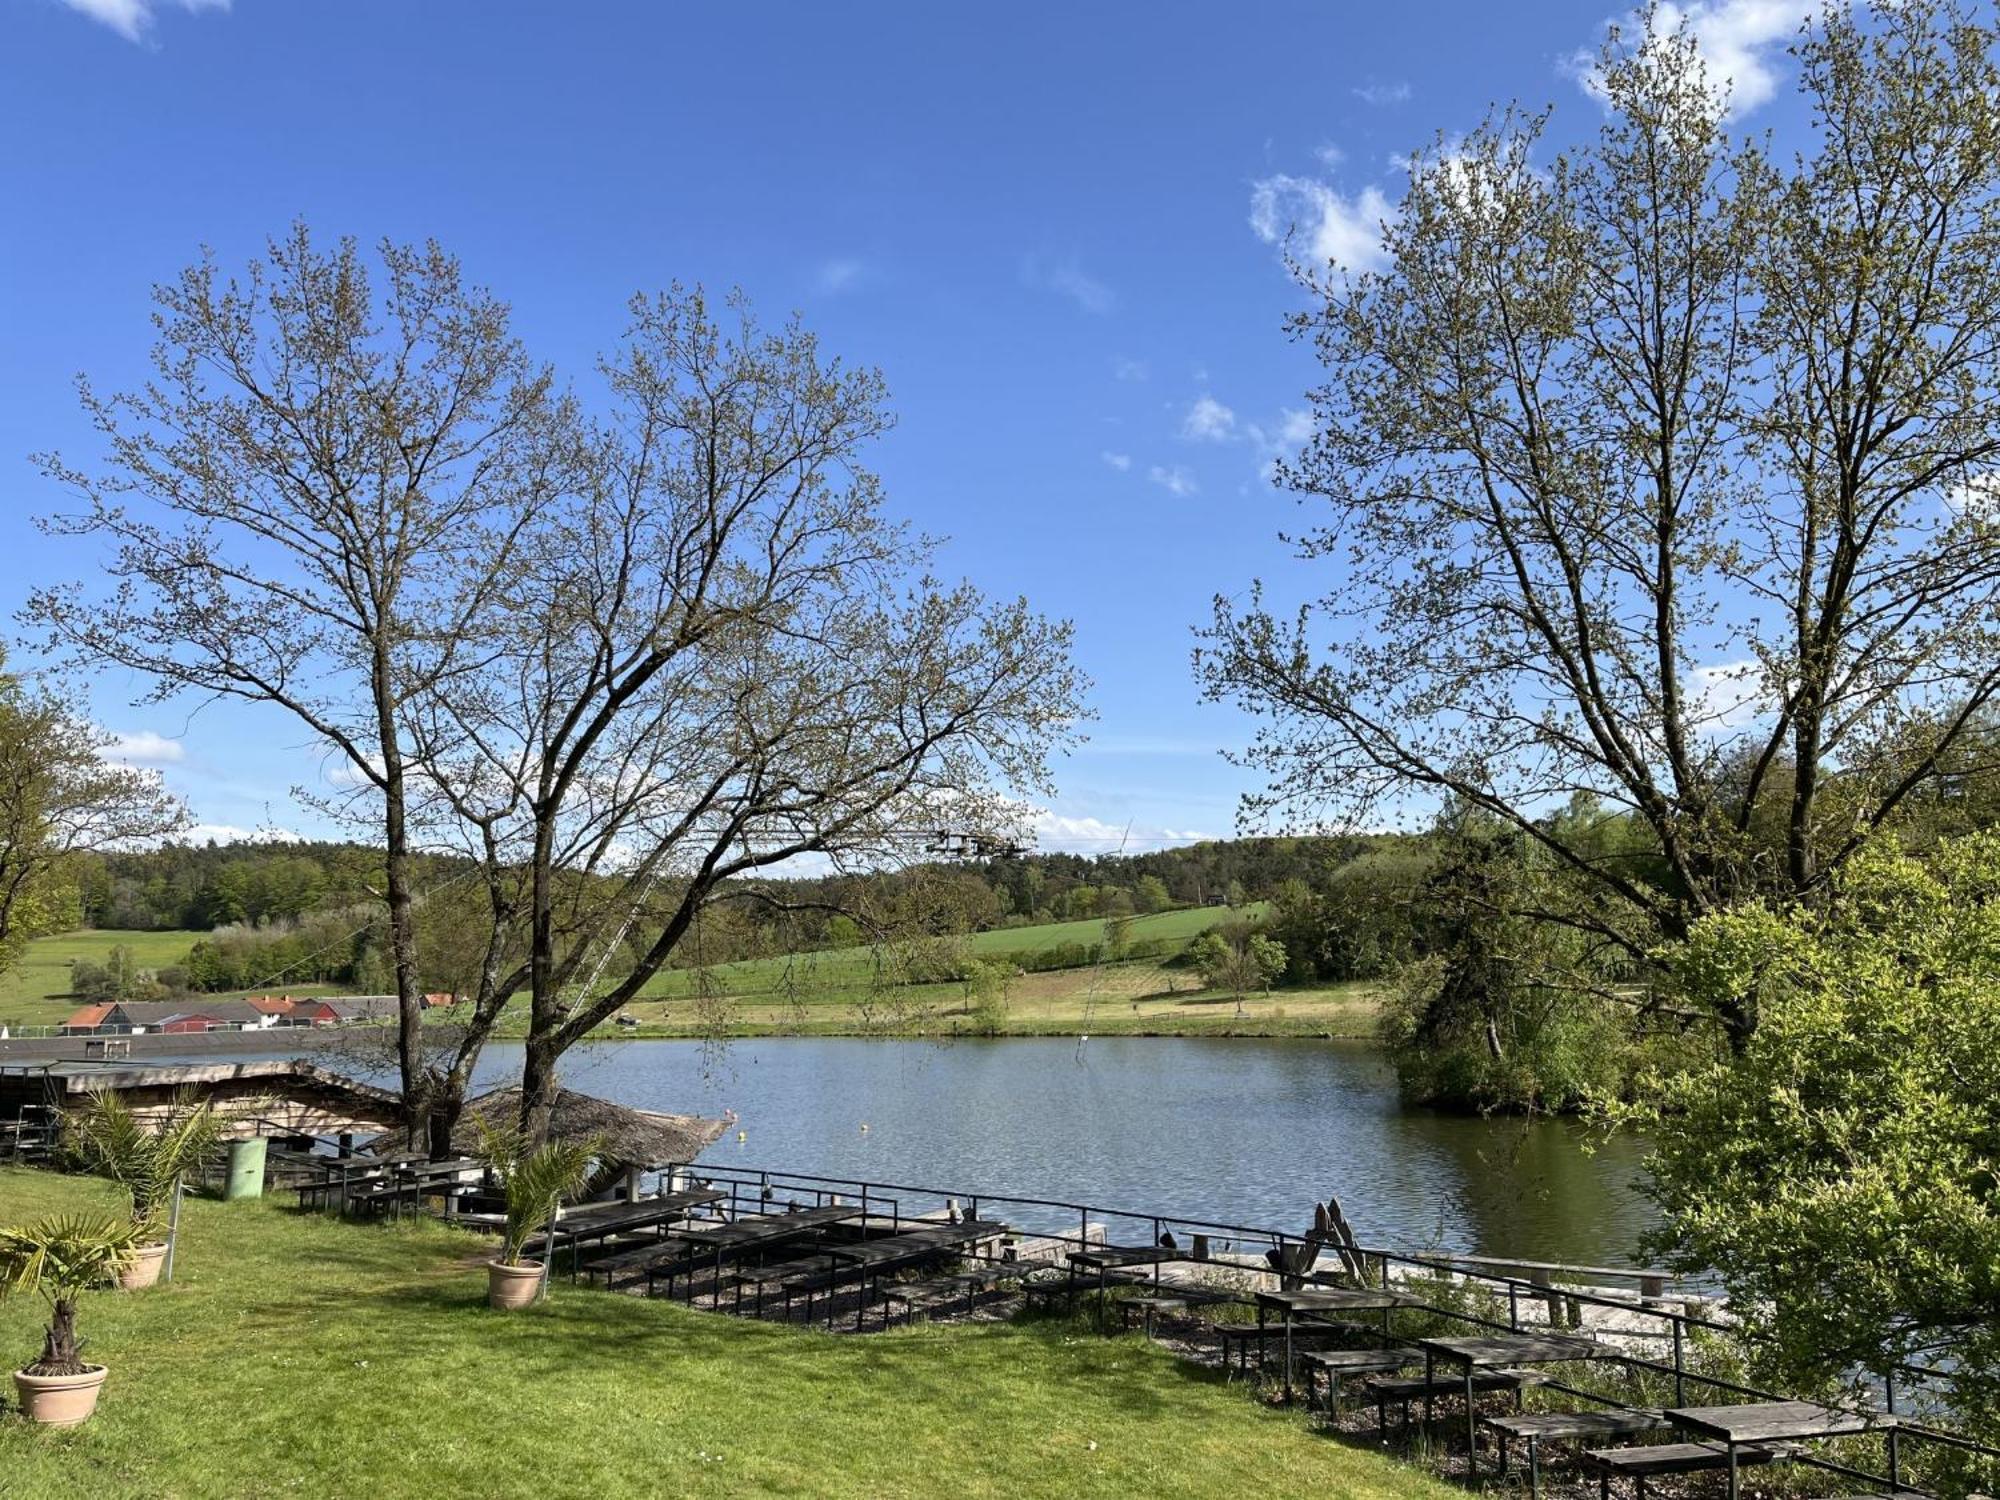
{"type": "Point", "coordinates": [1510, 1349]}
{"type": "Point", "coordinates": [772, 1227]}
{"type": "Point", "coordinates": [1774, 1421]}
{"type": "Point", "coordinates": [1328, 1299]}
{"type": "Point", "coordinates": [1105, 1256]}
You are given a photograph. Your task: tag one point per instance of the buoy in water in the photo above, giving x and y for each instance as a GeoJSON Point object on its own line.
{"type": "Point", "coordinates": [742, 1135]}
{"type": "Point", "coordinates": [864, 1127]}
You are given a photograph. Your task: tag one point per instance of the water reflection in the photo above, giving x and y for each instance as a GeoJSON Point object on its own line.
{"type": "Point", "coordinates": [1248, 1131]}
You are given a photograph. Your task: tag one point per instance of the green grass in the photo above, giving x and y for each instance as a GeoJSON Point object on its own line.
{"type": "Point", "coordinates": [300, 1355]}
{"type": "Point", "coordinates": [830, 993]}
{"type": "Point", "coordinates": [36, 988]}
{"type": "Point", "coordinates": [849, 968]}
{"type": "Point", "coordinates": [35, 991]}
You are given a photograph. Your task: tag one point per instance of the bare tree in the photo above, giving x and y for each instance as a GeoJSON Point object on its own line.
{"type": "Point", "coordinates": [1664, 472]}
{"type": "Point", "coordinates": [302, 501]}
{"type": "Point", "coordinates": [60, 797]}
{"type": "Point", "coordinates": [716, 655]}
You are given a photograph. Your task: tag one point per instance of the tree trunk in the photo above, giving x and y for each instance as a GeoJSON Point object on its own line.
{"type": "Point", "coordinates": [538, 1088]}
{"type": "Point", "coordinates": [402, 907]}
{"type": "Point", "coordinates": [59, 1355]}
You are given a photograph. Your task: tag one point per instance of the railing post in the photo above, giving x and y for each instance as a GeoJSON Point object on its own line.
{"type": "Point", "coordinates": [1680, 1371]}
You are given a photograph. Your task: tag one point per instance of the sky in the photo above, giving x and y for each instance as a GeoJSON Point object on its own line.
{"type": "Point", "coordinates": [1057, 230]}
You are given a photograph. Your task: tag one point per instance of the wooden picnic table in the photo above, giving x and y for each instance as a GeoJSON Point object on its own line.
{"type": "Point", "coordinates": [1493, 1352]}
{"type": "Point", "coordinates": [1308, 1301]}
{"type": "Point", "coordinates": [1103, 1259]}
{"type": "Point", "coordinates": [1760, 1422]}
{"type": "Point", "coordinates": [870, 1257]}
{"type": "Point", "coordinates": [766, 1229]}
{"type": "Point", "coordinates": [601, 1221]}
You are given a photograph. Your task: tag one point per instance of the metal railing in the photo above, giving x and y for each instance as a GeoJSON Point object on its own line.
{"type": "Point", "coordinates": [1555, 1287]}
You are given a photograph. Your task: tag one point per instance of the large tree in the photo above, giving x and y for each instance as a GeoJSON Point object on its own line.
{"type": "Point", "coordinates": [319, 449]}
{"type": "Point", "coordinates": [60, 797]}
{"type": "Point", "coordinates": [1661, 470]}
{"type": "Point", "coordinates": [1842, 1175]}
{"type": "Point", "coordinates": [717, 655]}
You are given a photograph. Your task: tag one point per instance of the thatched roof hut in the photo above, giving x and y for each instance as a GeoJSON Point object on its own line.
{"type": "Point", "coordinates": [635, 1137]}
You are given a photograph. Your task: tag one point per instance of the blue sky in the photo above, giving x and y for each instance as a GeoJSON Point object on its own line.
{"type": "Point", "coordinates": [1050, 226]}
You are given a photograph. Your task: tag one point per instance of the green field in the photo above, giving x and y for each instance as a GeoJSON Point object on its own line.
{"type": "Point", "coordinates": [834, 991]}
{"type": "Point", "coordinates": [302, 1355]}
{"type": "Point", "coordinates": [35, 991]}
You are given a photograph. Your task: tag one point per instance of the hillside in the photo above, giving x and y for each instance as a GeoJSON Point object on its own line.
{"type": "Point", "coordinates": [837, 991]}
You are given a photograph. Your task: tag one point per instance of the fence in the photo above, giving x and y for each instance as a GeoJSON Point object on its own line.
{"type": "Point", "coordinates": [1546, 1284]}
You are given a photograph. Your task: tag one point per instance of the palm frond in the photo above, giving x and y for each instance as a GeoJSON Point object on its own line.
{"type": "Point", "coordinates": [535, 1184]}
{"type": "Point", "coordinates": [106, 1138]}
{"type": "Point", "coordinates": [64, 1254]}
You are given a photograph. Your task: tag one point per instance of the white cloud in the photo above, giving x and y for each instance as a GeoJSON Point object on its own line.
{"type": "Point", "coordinates": [1978, 496]}
{"type": "Point", "coordinates": [231, 833]}
{"type": "Point", "coordinates": [1725, 696]}
{"type": "Point", "coordinates": [1379, 94]}
{"type": "Point", "coordinates": [1068, 279]}
{"type": "Point", "coordinates": [1090, 835]}
{"type": "Point", "coordinates": [1119, 461]}
{"type": "Point", "coordinates": [1325, 226]}
{"type": "Point", "coordinates": [143, 747]}
{"type": "Point", "coordinates": [1176, 481]}
{"type": "Point", "coordinates": [132, 19]}
{"type": "Point", "coordinates": [1329, 155]}
{"type": "Point", "coordinates": [1209, 421]}
{"type": "Point", "coordinates": [1130, 369]}
{"type": "Point", "coordinates": [1741, 43]}
{"type": "Point", "coordinates": [836, 276]}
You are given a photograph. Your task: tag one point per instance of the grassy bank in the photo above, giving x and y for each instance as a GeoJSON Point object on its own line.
{"type": "Point", "coordinates": [300, 1355]}
{"type": "Point", "coordinates": [838, 992]}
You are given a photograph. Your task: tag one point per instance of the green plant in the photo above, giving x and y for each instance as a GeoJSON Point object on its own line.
{"type": "Point", "coordinates": [105, 1137]}
{"type": "Point", "coordinates": [63, 1256]}
{"type": "Point", "coordinates": [534, 1181]}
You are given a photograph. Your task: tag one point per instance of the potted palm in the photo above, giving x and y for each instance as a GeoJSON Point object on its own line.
{"type": "Point", "coordinates": [534, 1183]}
{"type": "Point", "coordinates": [106, 1138]}
{"type": "Point", "coordinates": [62, 1257]}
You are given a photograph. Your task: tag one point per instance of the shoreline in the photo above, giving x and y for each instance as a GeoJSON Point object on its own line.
{"type": "Point", "coordinates": [301, 1041]}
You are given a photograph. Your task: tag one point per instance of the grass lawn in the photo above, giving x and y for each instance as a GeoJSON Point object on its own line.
{"type": "Point", "coordinates": [36, 989]}
{"type": "Point", "coordinates": [301, 1355]}
{"type": "Point", "coordinates": [829, 993]}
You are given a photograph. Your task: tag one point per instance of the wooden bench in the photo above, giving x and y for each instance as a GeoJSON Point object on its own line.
{"type": "Point", "coordinates": [1639, 1464]}
{"type": "Point", "coordinates": [1536, 1428]}
{"type": "Point", "coordinates": [1344, 1364]}
{"type": "Point", "coordinates": [1403, 1389]}
{"type": "Point", "coordinates": [968, 1283]}
{"type": "Point", "coordinates": [1241, 1337]}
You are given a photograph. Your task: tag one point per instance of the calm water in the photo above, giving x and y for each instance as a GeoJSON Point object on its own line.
{"type": "Point", "coordinates": [1231, 1130]}
{"type": "Point", "coordinates": [1236, 1130]}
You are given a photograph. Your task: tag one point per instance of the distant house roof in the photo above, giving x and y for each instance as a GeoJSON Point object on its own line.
{"type": "Point", "coordinates": [158, 1012]}
{"type": "Point", "coordinates": [434, 1002]}
{"type": "Point", "coordinates": [90, 1015]}
{"type": "Point", "coordinates": [362, 1007]}
{"type": "Point", "coordinates": [272, 1005]}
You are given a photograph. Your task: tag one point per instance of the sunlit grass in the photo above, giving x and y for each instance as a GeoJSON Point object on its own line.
{"type": "Point", "coordinates": [301, 1355]}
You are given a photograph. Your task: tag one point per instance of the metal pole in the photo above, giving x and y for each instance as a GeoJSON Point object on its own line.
{"type": "Point", "coordinates": [548, 1258]}
{"type": "Point", "coordinates": [173, 1233]}
{"type": "Point", "coordinates": [1680, 1374]}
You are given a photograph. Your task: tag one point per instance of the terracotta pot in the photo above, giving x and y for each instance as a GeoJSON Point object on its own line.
{"type": "Point", "coordinates": [509, 1287]}
{"type": "Point", "coordinates": [59, 1400]}
{"type": "Point", "coordinates": [144, 1269]}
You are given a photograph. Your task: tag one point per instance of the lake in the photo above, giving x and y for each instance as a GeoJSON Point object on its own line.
{"type": "Point", "coordinates": [1237, 1130]}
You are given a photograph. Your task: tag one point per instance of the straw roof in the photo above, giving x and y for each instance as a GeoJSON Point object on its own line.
{"type": "Point", "coordinates": [641, 1137]}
